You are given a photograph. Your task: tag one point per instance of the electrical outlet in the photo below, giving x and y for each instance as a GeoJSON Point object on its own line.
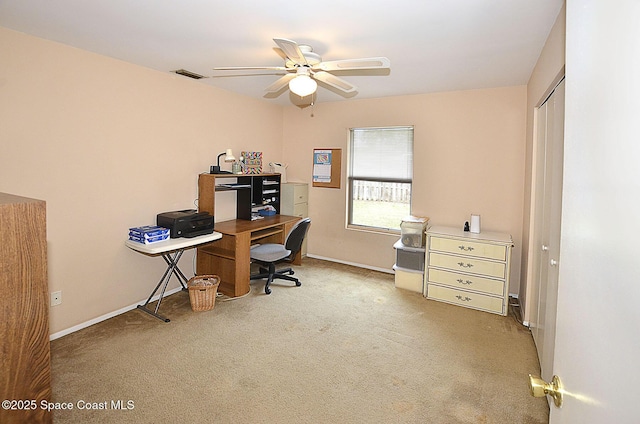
{"type": "Point", "coordinates": [56, 298]}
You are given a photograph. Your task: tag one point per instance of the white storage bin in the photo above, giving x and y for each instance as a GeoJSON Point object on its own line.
{"type": "Point", "coordinates": [413, 230]}
{"type": "Point", "coordinates": [412, 258]}
{"type": "Point", "coordinates": [408, 279]}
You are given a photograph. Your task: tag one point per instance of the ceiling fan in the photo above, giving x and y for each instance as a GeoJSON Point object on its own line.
{"type": "Point", "coordinates": [304, 67]}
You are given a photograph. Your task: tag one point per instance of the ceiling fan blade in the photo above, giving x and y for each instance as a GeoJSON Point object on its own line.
{"type": "Point", "coordinates": [292, 50]}
{"type": "Point", "coordinates": [350, 64]}
{"type": "Point", "coordinates": [280, 83]}
{"type": "Point", "coordinates": [281, 53]}
{"type": "Point", "coordinates": [250, 68]}
{"type": "Point", "coordinates": [334, 82]}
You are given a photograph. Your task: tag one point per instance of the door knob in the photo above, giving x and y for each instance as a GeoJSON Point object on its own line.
{"type": "Point", "coordinates": [540, 388]}
{"type": "Point", "coordinates": [545, 247]}
{"type": "Point", "coordinates": [553, 262]}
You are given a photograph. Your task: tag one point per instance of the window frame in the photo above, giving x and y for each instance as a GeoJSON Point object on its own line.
{"type": "Point", "coordinates": [351, 179]}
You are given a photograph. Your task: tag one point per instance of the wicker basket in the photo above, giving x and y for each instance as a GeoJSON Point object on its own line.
{"type": "Point", "coordinates": [203, 290]}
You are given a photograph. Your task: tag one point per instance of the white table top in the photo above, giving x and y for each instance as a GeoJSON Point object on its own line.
{"type": "Point", "coordinates": [172, 243]}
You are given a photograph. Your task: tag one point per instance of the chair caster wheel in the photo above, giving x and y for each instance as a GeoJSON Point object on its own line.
{"type": "Point", "coordinates": [298, 283]}
{"type": "Point", "coordinates": [267, 290]}
{"type": "Point", "coordinates": [291, 272]}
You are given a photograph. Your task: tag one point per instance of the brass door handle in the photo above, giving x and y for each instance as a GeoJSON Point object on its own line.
{"type": "Point", "coordinates": [540, 388]}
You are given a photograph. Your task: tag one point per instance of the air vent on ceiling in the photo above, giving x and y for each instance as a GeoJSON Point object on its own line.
{"type": "Point", "coordinates": [189, 74]}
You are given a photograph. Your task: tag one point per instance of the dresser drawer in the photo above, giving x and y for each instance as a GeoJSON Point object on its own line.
{"type": "Point", "coordinates": [461, 264]}
{"type": "Point", "coordinates": [467, 299]}
{"type": "Point", "coordinates": [468, 248]}
{"type": "Point", "coordinates": [465, 281]}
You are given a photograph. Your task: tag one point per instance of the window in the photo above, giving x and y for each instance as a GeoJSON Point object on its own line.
{"type": "Point", "coordinates": [380, 177]}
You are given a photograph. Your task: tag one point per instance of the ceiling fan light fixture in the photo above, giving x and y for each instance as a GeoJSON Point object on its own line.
{"type": "Point", "coordinates": [303, 85]}
{"type": "Point", "coordinates": [304, 67]}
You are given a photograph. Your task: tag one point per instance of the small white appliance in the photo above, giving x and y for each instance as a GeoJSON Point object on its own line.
{"type": "Point", "coordinates": [278, 168]}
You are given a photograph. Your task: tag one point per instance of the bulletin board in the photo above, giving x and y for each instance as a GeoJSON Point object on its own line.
{"type": "Point", "coordinates": [327, 167]}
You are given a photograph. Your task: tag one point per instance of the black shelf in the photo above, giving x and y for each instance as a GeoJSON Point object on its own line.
{"type": "Point", "coordinates": [264, 190]}
{"type": "Point", "coordinates": [231, 187]}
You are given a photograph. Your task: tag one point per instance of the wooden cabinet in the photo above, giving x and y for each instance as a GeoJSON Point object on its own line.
{"type": "Point", "coordinates": [24, 328]}
{"type": "Point", "coordinates": [467, 269]}
{"type": "Point", "coordinates": [295, 202]}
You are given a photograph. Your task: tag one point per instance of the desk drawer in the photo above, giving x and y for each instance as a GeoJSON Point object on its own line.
{"type": "Point", "coordinates": [469, 248]}
{"type": "Point", "coordinates": [470, 265]}
{"type": "Point", "coordinates": [466, 281]}
{"type": "Point", "coordinates": [466, 299]}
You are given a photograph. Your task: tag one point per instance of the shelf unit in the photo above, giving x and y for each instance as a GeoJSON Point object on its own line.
{"type": "Point", "coordinates": [252, 191]}
{"type": "Point", "coordinates": [265, 190]}
{"type": "Point", "coordinates": [229, 257]}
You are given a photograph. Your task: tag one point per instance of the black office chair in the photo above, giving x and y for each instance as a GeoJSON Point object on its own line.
{"type": "Point", "coordinates": [269, 254]}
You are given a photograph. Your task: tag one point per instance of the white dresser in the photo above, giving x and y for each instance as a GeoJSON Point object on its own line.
{"type": "Point", "coordinates": [294, 200]}
{"type": "Point", "coordinates": [467, 269]}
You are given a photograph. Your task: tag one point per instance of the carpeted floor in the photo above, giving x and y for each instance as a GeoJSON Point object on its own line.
{"type": "Point", "coordinates": [345, 347]}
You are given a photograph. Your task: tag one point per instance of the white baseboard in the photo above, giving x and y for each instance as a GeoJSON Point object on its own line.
{"type": "Point", "coordinates": [373, 268]}
{"type": "Point", "coordinates": [107, 316]}
{"type": "Point", "coordinates": [177, 289]}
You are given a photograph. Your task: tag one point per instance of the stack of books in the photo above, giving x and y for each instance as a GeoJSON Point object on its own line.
{"type": "Point", "coordinates": [148, 234]}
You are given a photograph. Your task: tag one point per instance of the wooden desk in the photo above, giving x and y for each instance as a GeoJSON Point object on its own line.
{"type": "Point", "coordinates": [230, 257]}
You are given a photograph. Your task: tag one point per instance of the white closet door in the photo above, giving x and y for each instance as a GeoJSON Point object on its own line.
{"type": "Point", "coordinates": [548, 212]}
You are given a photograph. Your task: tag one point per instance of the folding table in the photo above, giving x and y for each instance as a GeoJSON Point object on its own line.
{"type": "Point", "coordinates": [171, 250]}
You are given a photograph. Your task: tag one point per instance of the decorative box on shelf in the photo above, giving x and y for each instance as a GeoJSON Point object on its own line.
{"type": "Point", "coordinates": [252, 162]}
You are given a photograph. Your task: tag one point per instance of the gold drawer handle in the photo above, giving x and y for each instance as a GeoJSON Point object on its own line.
{"type": "Point", "coordinates": [461, 281]}
{"type": "Point", "coordinates": [464, 299]}
{"type": "Point", "coordinates": [463, 265]}
{"type": "Point", "coordinates": [467, 249]}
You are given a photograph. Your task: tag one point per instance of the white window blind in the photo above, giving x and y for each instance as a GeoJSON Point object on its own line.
{"type": "Point", "coordinates": [380, 177]}
{"type": "Point", "coordinates": [383, 154]}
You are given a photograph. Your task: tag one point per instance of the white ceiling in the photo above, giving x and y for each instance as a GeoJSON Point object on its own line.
{"type": "Point", "coordinates": [433, 45]}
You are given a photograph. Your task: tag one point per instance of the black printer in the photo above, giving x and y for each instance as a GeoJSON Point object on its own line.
{"type": "Point", "coordinates": [186, 223]}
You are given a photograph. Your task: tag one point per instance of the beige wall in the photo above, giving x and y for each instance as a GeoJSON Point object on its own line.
{"type": "Point", "coordinates": [546, 74]}
{"type": "Point", "coordinates": [108, 145]}
{"type": "Point", "coordinates": [469, 158]}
